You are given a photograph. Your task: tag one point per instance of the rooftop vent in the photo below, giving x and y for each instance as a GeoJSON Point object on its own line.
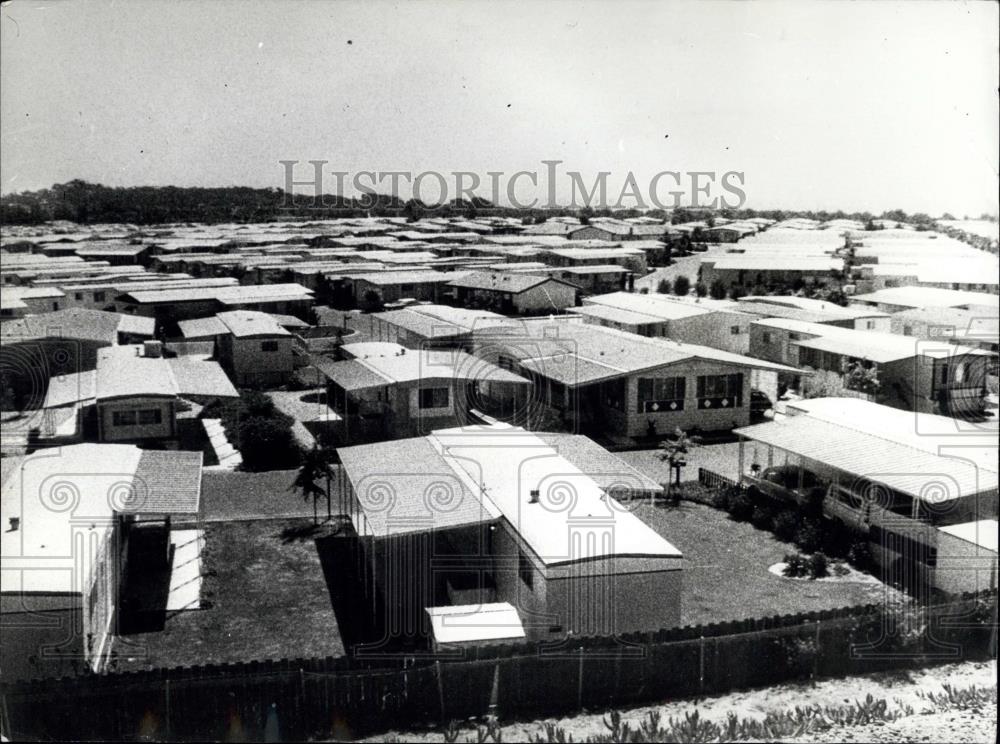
{"type": "Point", "coordinates": [533, 496]}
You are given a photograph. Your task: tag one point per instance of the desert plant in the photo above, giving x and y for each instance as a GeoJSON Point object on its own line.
{"type": "Point", "coordinates": [796, 566]}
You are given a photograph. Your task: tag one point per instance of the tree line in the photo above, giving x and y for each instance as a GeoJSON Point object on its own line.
{"type": "Point", "coordinates": [88, 203]}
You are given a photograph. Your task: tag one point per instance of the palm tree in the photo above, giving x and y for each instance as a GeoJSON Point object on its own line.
{"type": "Point", "coordinates": [673, 452]}
{"type": "Point", "coordinates": [314, 467]}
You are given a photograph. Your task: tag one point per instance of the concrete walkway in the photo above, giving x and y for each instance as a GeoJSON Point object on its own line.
{"type": "Point", "coordinates": [185, 570]}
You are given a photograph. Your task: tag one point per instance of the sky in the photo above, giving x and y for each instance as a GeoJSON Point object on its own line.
{"type": "Point", "coordinates": [853, 106]}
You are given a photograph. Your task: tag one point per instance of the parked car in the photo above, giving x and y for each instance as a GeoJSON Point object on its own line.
{"type": "Point", "coordinates": [759, 402]}
{"type": "Point", "coordinates": [782, 483]}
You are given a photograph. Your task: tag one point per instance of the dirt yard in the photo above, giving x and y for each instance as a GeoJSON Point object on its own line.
{"type": "Point", "coordinates": [898, 689]}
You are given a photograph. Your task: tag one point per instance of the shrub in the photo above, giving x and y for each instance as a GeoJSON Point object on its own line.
{"type": "Point", "coordinates": [717, 290]}
{"type": "Point", "coordinates": [664, 286]}
{"type": "Point", "coordinates": [682, 285]}
{"type": "Point", "coordinates": [786, 525]}
{"type": "Point", "coordinates": [267, 444]}
{"type": "Point", "coordinates": [809, 537]}
{"type": "Point", "coordinates": [859, 555]}
{"type": "Point", "coordinates": [796, 566]}
{"type": "Point", "coordinates": [819, 566]}
{"type": "Point", "coordinates": [762, 517]}
{"type": "Point", "coordinates": [722, 499]}
{"type": "Point", "coordinates": [700, 289]}
{"type": "Point", "coordinates": [741, 507]}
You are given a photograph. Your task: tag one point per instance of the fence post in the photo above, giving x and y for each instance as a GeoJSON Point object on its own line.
{"type": "Point", "coordinates": [440, 684]}
{"type": "Point", "coordinates": [701, 664]}
{"type": "Point", "coordinates": [816, 653]}
{"type": "Point", "coordinates": [166, 710]}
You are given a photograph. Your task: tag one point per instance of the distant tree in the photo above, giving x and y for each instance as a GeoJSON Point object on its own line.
{"type": "Point", "coordinates": [862, 379]}
{"type": "Point", "coordinates": [736, 291]}
{"type": "Point", "coordinates": [540, 219]}
{"type": "Point", "coordinates": [664, 286]}
{"type": "Point", "coordinates": [710, 222]}
{"type": "Point", "coordinates": [822, 384]}
{"type": "Point", "coordinates": [700, 289]}
{"type": "Point", "coordinates": [682, 285]}
{"type": "Point", "coordinates": [717, 290]}
{"type": "Point", "coordinates": [372, 300]}
{"type": "Point", "coordinates": [947, 216]}
{"type": "Point", "coordinates": [585, 215]}
{"type": "Point", "coordinates": [267, 443]}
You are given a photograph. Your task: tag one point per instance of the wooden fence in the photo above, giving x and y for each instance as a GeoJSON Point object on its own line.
{"type": "Point", "coordinates": [711, 479]}
{"type": "Point", "coordinates": [338, 698]}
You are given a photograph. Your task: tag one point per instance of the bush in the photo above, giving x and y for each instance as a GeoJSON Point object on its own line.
{"type": "Point", "coordinates": [762, 517]}
{"type": "Point", "coordinates": [664, 286]}
{"type": "Point", "coordinates": [700, 289]}
{"type": "Point", "coordinates": [682, 285]}
{"type": "Point", "coordinates": [786, 525]}
{"type": "Point", "coordinates": [741, 507]}
{"type": "Point", "coordinates": [717, 290]}
{"type": "Point", "coordinates": [267, 444]}
{"type": "Point", "coordinates": [859, 555]}
{"type": "Point", "coordinates": [819, 566]}
{"type": "Point", "coordinates": [809, 537]}
{"type": "Point", "coordinates": [796, 566]}
{"type": "Point", "coordinates": [722, 499]}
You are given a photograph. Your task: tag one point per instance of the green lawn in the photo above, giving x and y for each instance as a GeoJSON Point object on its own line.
{"type": "Point", "coordinates": [726, 565]}
{"type": "Point", "coordinates": [265, 597]}
{"type": "Point", "coordinates": [720, 458]}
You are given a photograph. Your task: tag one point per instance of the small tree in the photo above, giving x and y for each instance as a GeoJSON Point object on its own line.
{"type": "Point", "coordinates": [700, 289]}
{"type": "Point", "coordinates": [673, 452]}
{"type": "Point", "coordinates": [664, 286]}
{"type": "Point", "coordinates": [682, 285]}
{"type": "Point", "coordinates": [717, 290]}
{"type": "Point", "coordinates": [313, 470]}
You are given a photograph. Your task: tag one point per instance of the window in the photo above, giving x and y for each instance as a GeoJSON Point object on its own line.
{"type": "Point", "coordinates": [525, 570]}
{"type": "Point", "coordinates": [124, 418]}
{"type": "Point", "coordinates": [907, 330]}
{"type": "Point", "coordinates": [150, 416]}
{"type": "Point", "coordinates": [767, 337]}
{"type": "Point", "coordinates": [720, 391]}
{"type": "Point", "coordinates": [869, 324]}
{"type": "Point", "coordinates": [657, 395]}
{"type": "Point", "coordinates": [734, 330]}
{"type": "Point", "coordinates": [98, 296]}
{"type": "Point", "coordinates": [78, 295]}
{"type": "Point", "coordinates": [434, 397]}
{"type": "Point", "coordinates": [55, 305]}
{"type": "Point", "coordinates": [268, 345]}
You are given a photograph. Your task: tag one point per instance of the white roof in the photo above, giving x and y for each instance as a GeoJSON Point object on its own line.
{"type": "Point", "coordinates": [503, 464]}
{"type": "Point", "coordinates": [872, 345]}
{"type": "Point", "coordinates": [873, 441]}
{"type": "Point", "coordinates": [489, 472]}
{"type": "Point", "coordinates": [480, 622]}
{"type": "Point", "coordinates": [61, 494]}
{"type": "Point", "coordinates": [928, 297]}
